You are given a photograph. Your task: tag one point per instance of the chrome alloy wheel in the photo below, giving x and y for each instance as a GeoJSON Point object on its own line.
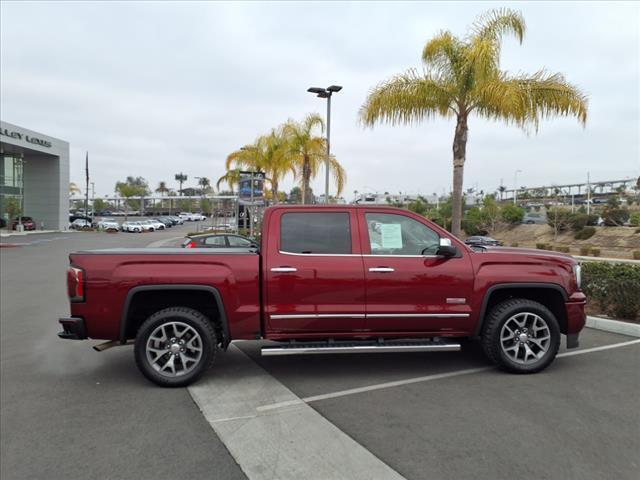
{"type": "Point", "coordinates": [174, 349]}
{"type": "Point", "coordinates": [525, 338]}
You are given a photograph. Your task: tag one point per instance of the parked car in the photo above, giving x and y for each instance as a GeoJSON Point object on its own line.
{"type": "Point", "coordinates": [81, 224]}
{"type": "Point", "coordinates": [109, 225]}
{"type": "Point", "coordinates": [132, 227]}
{"type": "Point", "coordinates": [28, 223]}
{"type": "Point", "coordinates": [164, 220]}
{"type": "Point", "coordinates": [176, 219]}
{"type": "Point", "coordinates": [192, 217]}
{"type": "Point", "coordinates": [153, 224]}
{"type": "Point", "coordinates": [483, 241]}
{"type": "Point", "coordinates": [324, 278]}
{"type": "Point", "coordinates": [3, 223]}
{"type": "Point", "coordinates": [218, 240]}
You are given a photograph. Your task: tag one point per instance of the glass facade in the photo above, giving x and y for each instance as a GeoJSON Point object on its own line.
{"type": "Point", "coordinates": [11, 184]}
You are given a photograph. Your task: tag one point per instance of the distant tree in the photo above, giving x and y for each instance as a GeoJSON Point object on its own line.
{"type": "Point", "coordinates": [205, 185]}
{"type": "Point", "coordinates": [162, 189]}
{"type": "Point", "coordinates": [73, 188]}
{"type": "Point", "coordinates": [132, 187]}
{"type": "Point", "coordinates": [99, 205]}
{"type": "Point", "coordinates": [512, 214]}
{"type": "Point", "coordinates": [180, 178]}
{"type": "Point", "coordinates": [13, 207]}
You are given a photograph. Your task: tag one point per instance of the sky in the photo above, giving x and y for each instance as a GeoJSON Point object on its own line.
{"type": "Point", "coordinates": [156, 88]}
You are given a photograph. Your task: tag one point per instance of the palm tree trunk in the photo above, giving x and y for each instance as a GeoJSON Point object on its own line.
{"type": "Point", "coordinates": [306, 179]}
{"type": "Point", "coordinates": [459, 155]}
{"type": "Point", "coordinates": [274, 192]}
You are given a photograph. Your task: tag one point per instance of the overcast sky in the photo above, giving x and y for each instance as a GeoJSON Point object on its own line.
{"type": "Point", "coordinates": [155, 88]}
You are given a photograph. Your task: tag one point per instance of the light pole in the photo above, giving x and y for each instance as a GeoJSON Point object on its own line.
{"type": "Point", "coordinates": [515, 187]}
{"type": "Point", "coordinates": [326, 93]}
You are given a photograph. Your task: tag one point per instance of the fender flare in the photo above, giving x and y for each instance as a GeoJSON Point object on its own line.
{"type": "Point", "coordinates": [226, 337]}
{"type": "Point", "coordinates": [504, 286]}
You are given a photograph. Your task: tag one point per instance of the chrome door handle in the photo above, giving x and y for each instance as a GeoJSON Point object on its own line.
{"type": "Point", "coordinates": [382, 269]}
{"type": "Point", "coordinates": [284, 269]}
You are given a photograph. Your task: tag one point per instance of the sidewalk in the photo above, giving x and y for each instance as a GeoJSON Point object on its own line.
{"type": "Point", "coordinates": [33, 232]}
{"type": "Point", "coordinates": [606, 259]}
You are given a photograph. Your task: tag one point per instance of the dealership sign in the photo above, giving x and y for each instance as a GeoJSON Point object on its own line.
{"type": "Point", "coordinates": [251, 186]}
{"type": "Point", "coordinates": [5, 132]}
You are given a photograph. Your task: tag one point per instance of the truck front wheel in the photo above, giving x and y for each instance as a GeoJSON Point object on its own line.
{"type": "Point", "coordinates": [521, 336]}
{"type": "Point", "coordinates": [175, 346]}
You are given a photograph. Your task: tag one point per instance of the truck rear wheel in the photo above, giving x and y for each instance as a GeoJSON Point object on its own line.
{"type": "Point", "coordinates": [175, 346]}
{"type": "Point", "coordinates": [521, 336]}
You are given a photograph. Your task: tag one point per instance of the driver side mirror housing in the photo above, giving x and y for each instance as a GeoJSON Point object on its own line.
{"type": "Point", "coordinates": [446, 249]}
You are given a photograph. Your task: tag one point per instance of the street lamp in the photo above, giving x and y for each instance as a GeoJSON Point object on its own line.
{"type": "Point", "coordinates": [515, 186]}
{"type": "Point", "coordinates": [326, 93]}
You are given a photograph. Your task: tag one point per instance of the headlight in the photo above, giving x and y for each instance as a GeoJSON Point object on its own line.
{"type": "Point", "coordinates": [577, 273]}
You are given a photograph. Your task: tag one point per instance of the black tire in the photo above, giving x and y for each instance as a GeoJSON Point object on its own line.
{"type": "Point", "coordinates": [183, 315]}
{"type": "Point", "coordinates": [493, 346]}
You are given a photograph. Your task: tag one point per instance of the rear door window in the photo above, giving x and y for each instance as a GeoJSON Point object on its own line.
{"type": "Point", "coordinates": [315, 233]}
{"type": "Point", "coordinates": [217, 241]}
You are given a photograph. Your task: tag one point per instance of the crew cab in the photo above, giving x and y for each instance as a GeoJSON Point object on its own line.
{"type": "Point", "coordinates": [326, 279]}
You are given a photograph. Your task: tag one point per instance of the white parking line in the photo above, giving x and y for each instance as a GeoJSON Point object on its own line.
{"type": "Point", "coordinates": [409, 381]}
{"type": "Point", "coordinates": [294, 444]}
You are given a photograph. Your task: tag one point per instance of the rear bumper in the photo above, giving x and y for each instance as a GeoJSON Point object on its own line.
{"type": "Point", "coordinates": [73, 328]}
{"type": "Point", "coordinates": [576, 317]}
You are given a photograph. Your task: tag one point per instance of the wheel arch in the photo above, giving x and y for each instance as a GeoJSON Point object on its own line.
{"type": "Point", "coordinates": [204, 298]}
{"type": "Point", "coordinates": [551, 295]}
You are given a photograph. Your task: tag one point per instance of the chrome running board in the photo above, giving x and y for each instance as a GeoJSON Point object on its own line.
{"type": "Point", "coordinates": [389, 346]}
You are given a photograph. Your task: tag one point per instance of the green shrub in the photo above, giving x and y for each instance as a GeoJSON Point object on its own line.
{"type": "Point", "coordinates": [585, 250]}
{"type": "Point", "coordinates": [515, 244]}
{"type": "Point", "coordinates": [634, 219]}
{"type": "Point", "coordinates": [541, 246]}
{"type": "Point", "coordinates": [595, 252]}
{"type": "Point", "coordinates": [585, 233]}
{"type": "Point", "coordinates": [512, 214]}
{"type": "Point", "coordinates": [636, 254]}
{"type": "Point", "coordinates": [579, 220]}
{"type": "Point", "coordinates": [615, 216]}
{"type": "Point", "coordinates": [615, 288]}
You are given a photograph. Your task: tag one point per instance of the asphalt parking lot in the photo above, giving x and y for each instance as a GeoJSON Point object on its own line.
{"type": "Point", "coordinates": [70, 412]}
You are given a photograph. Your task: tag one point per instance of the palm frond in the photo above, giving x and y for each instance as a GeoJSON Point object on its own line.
{"type": "Point", "coordinates": [525, 100]}
{"type": "Point", "coordinates": [494, 24]}
{"type": "Point", "coordinates": [407, 98]}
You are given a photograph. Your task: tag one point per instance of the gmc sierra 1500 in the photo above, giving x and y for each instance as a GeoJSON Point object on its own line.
{"type": "Point", "coordinates": [326, 279]}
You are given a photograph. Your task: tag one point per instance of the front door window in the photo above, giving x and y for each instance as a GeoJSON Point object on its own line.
{"type": "Point", "coordinates": [391, 234]}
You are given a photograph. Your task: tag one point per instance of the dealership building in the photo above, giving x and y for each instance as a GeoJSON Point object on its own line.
{"type": "Point", "coordinates": [34, 173]}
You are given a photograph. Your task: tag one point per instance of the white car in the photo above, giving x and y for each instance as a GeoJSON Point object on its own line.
{"type": "Point", "coordinates": [152, 225]}
{"type": "Point", "coordinates": [109, 225]}
{"type": "Point", "coordinates": [192, 217]}
{"type": "Point", "coordinates": [133, 227]}
{"type": "Point", "coordinates": [80, 224]}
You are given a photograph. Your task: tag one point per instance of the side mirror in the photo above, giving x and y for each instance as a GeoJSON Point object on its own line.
{"type": "Point", "coordinates": [446, 249]}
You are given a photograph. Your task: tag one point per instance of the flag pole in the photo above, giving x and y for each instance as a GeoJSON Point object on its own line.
{"type": "Point", "coordinates": [86, 190]}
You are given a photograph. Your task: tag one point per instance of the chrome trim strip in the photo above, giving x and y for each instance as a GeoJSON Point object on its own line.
{"type": "Point", "coordinates": [417, 315]}
{"type": "Point", "coordinates": [272, 351]}
{"type": "Point", "coordinates": [355, 255]}
{"type": "Point", "coordinates": [319, 315]}
{"type": "Point", "coordinates": [284, 269]}
{"type": "Point", "coordinates": [382, 269]}
{"type": "Point", "coordinates": [368, 315]}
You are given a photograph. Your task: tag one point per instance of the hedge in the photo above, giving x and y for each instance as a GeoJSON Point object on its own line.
{"type": "Point", "coordinates": [614, 288]}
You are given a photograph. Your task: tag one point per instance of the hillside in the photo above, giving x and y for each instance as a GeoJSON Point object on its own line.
{"type": "Point", "coordinates": [617, 242]}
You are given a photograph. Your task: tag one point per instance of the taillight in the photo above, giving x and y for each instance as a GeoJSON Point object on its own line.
{"type": "Point", "coordinates": [75, 284]}
{"type": "Point", "coordinates": [191, 244]}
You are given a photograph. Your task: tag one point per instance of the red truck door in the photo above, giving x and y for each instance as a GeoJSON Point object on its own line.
{"type": "Point", "coordinates": [409, 288]}
{"type": "Point", "coordinates": [314, 277]}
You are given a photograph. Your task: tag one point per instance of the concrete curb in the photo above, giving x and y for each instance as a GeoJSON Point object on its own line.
{"type": "Point", "coordinates": [614, 326]}
{"type": "Point", "coordinates": [33, 232]}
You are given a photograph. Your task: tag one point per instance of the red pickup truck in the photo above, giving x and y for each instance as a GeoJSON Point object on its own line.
{"type": "Point", "coordinates": [326, 279]}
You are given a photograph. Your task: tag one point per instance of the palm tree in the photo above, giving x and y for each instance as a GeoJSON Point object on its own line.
{"type": "Point", "coordinates": [269, 154]}
{"type": "Point", "coordinates": [231, 178]}
{"type": "Point", "coordinates": [162, 189]}
{"type": "Point", "coordinates": [463, 76]}
{"type": "Point", "coordinates": [205, 184]}
{"type": "Point", "coordinates": [73, 188]}
{"type": "Point", "coordinates": [181, 178]}
{"type": "Point", "coordinates": [308, 153]}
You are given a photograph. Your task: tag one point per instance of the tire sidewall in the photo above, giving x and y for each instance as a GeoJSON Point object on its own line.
{"type": "Point", "coordinates": [554, 329]}
{"type": "Point", "coordinates": [192, 318]}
